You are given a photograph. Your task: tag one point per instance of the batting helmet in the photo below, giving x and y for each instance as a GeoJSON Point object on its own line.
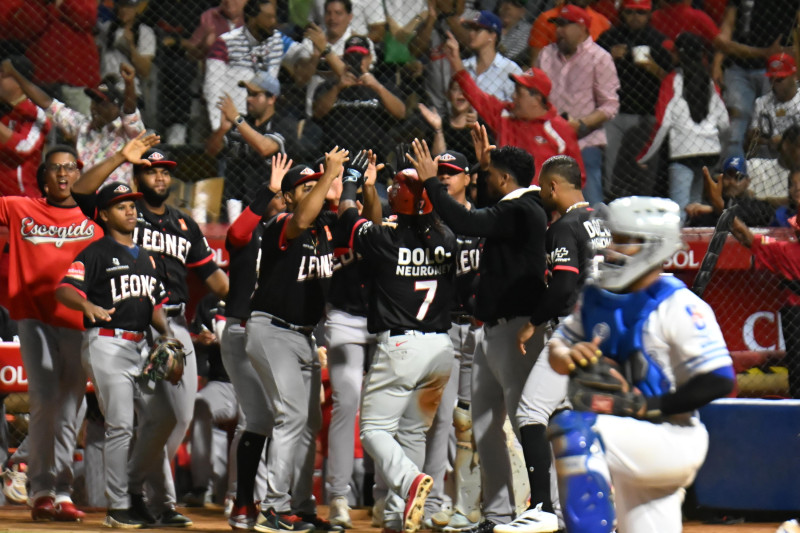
{"type": "Point", "coordinates": [655, 222]}
{"type": "Point", "coordinates": [407, 196]}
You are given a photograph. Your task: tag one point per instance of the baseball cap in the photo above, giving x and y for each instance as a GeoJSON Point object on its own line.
{"type": "Point", "coordinates": [298, 175]}
{"type": "Point", "coordinates": [115, 192]}
{"type": "Point", "coordinates": [534, 78]}
{"type": "Point", "coordinates": [572, 14]}
{"type": "Point", "coordinates": [357, 45]}
{"type": "Point", "coordinates": [106, 91]}
{"type": "Point", "coordinates": [780, 66]}
{"type": "Point", "coordinates": [262, 82]}
{"type": "Point", "coordinates": [158, 158]}
{"type": "Point", "coordinates": [637, 5]}
{"type": "Point", "coordinates": [736, 164]}
{"type": "Point", "coordinates": [454, 161]}
{"type": "Point", "coordinates": [486, 20]}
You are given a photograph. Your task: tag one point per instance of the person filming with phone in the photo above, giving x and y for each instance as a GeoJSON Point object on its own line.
{"type": "Point", "coordinates": [367, 106]}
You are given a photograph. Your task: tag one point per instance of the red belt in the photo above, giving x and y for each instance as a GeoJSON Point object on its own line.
{"type": "Point", "coordinates": [121, 334]}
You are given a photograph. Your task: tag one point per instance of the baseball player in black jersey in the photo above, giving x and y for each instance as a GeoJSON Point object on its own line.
{"type": "Point", "coordinates": [453, 171]}
{"type": "Point", "coordinates": [349, 346]}
{"type": "Point", "coordinates": [294, 273]}
{"type": "Point", "coordinates": [177, 244]}
{"type": "Point", "coordinates": [413, 267]}
{"type": "Point", "coordinates": [243, 243]}
{"type": "Point", "coordinates": [570, 242]}
{"type": "Point", "coordinates": [117, 286]}
{"type": "Point", "coordinates": [511, 281]}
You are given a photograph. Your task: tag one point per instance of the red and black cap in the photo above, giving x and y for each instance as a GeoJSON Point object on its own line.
{"type": "Point", "coordinates": [357, 45]}
{"type": "Point", "coordinates": [106, 91]}
{"type": "Point", "coordinates": [453, 161]}
{"type": "Point", "coordinates": [158, 158]}
{"type": "Point", "coordinates": [113, 193]}
{"type": "Point", "coordinates": [297, 175]}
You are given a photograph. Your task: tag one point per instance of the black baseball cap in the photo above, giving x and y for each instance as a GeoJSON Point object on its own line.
{"type": "Point", "coordinates": [357, 45]}
{"type": "Point", "coordinates": [158, 158]}
{"type": "Point", "coordinates": [298, 175]}
{"type": "Point", "coordinates": [453, 160]}
{"type": "Point", "coordinates": [113, 193]}
{"type": "Point", "coordinates": [105, 92]}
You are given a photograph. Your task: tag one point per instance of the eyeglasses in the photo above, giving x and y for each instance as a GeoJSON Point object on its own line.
{"type": "Point", "coordinates": [67, 167]}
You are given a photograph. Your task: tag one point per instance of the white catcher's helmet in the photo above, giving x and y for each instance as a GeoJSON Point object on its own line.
{"type": "Point", "coordinates": [656, 221]}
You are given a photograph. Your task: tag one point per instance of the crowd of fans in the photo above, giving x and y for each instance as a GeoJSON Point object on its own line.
{"type": "Point", "coordinates": [650, 92]}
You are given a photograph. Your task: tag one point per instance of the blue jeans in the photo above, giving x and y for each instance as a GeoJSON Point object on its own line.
{"type": "Point", "coordinates": [593, 163]}
{"type": "Point", "coordinates": [685, 185]}
{"type": "Point", "coordinates": [742, 87]}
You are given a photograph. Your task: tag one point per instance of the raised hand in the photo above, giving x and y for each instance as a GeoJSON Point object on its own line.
{"type": "Point", "coordinates": [431, 116]}
{"type": "Point", "coordinates": [136, 147]}
{"type": "Point", "coordinates": [452, 52]}
{"type": "Point", "coordinates": [280, 166]}
{"type": "Point", "coordinates": [316, 35]}
{"type": "Point", "coordinates": [227, 107]}
{"type": "Point", "coordinates": [371, 175]}
{"type": "Point", "coordinates": [335, 159]}
{"type": "Point", "coordinates": [483, 150]}
{"type": "Point", "coordinates": [425, 165]}
{"type": "Point", "coordinates": [356, 168]}
{"type": "Point", "coordinates": [714, 190]}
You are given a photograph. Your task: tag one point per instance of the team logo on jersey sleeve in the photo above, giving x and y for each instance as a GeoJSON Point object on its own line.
{"type": "Point", "coordinates": [697, 317]}
{"type": "Point", "coordinates": [76, 271]}
{"type": "Point", "coordinates": [183, 224]}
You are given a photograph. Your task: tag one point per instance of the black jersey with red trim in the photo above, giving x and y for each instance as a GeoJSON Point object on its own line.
{"type": "Point", "coordinates": [349, 291]}
{"type": "Point", "coordinates": [111, 275]}
{"type": "Point", "coordinates": [294, 275]}
{"type": "Point", "coordinates": [175, 239]}
{"type": "Point", "coordinates": [467, 264]}
{"type": "Point", "coordinates": [413, 265]}
{"type": "Point", "coordinates": [570, 243]}
{"type": "Point", "coordinates": [243, 274]}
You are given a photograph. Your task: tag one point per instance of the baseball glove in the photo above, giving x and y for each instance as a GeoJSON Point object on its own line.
{"type": "Point", "coordinates": [165, 361]}
{"type": "Point", "coordinates": [601, 388]}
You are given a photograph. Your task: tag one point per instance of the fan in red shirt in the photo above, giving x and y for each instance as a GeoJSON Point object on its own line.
{"type": "Point", "coordinates": [23, 130]}
{"type": "Point", "coordinates": [529, 121]}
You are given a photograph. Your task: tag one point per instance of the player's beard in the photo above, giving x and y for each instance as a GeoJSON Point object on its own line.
{"type": "Point", "coordinates": [151, 196]}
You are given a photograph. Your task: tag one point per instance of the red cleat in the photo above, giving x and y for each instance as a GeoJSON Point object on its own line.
{"type": "Point", "coordinates": [415, 502]}
{"type": "Point", "coordinates": [67, 512]}
{"type": "Point", "coordinates": [43, 509]}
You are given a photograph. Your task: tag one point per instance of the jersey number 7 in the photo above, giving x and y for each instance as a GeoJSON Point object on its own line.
{"type": "Point", "coordinates": [429, 286]}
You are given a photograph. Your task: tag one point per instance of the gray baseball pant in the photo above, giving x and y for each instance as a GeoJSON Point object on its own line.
{"type": "Point", "coordinates": [177, 409]}
{"type": "Point", "coordinates": [114, 366]}
{"type": "Point", "coordinates": [349, 345]}
{"type": "Point", "coordinates": [440, 444]}
{"type": "Point", "coordinates": [402, 391]}
{"type": "Point", "coordinates": [215, 404]}
{"type": "Point", "coordinates": [499, 373]}
{"type": "Point", "coordinates": [56, 386]}
{"type": "Point", "coordinates": [286, 361]}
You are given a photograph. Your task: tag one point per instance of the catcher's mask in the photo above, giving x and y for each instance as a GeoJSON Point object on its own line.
{"type": "Point", "coordinates": [407, 196]}
{"type": "Point", "coordinates": [653, 225]}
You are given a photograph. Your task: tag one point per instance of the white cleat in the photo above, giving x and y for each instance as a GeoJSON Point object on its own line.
{"type": "Point", "coordinates": [531, 521]}
{"type": "Point", "coordinates": [339, 514]}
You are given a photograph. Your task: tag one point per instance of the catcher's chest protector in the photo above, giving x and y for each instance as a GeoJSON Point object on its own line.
{"type": "Point", "coordinates": [619, 319]}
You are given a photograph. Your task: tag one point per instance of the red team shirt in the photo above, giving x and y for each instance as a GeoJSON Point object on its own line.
{"type": "Point", "coordinates": [43, 241]}
{"type": "Point", "coordinates": [20, 156]}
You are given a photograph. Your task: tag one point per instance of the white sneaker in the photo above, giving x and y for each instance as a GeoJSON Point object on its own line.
{"type": "Point", "coordinates": [459, 522]}
{"type": "Point", "coordinates": [339, 513]}
{"type": "Point", "coordinates": [14, 488]}
{"type": "Point", "coordinates": [531, 521]}
{"type": "Point", "coordinates": [790, 526]}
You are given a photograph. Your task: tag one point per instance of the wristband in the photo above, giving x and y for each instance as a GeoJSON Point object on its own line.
{"type": "Point", "coordinates": [238, 120]}
{"type": "Point", "coordinates": [327, 50]}
{"type": "Point", "coordinates": [583, 129]}
{"type": "Point", "coordinates": [349, 191]}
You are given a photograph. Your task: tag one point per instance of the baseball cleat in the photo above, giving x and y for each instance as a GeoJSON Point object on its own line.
{"type": "Point", "coordinates": [172, 518]}
{"type": "Point", "coordinates": [14, 480]}
{"type": "Point", "coordinates": [377, 512]}
{"type": "Point", "coordinates": [243, 517]}
{"type": "Point", "coordinates": [271, 522]}
{"type": "Point", "coordinates": [43, 509]}
{"type": "Point", "coordinates": [487, 526]}
{"type": "Point", "coordinates": [122, 519]}
{"type": "Point", "coordinates": [531, 521]}
{"type": "Point", "coordinates": [339, 514]}
{"type": "Point", "coordinates": [790, 526]}
{"type": "Point", "coordinates": [415, 502]}
{"type": "Point", "coordinates": [459, 522]}
{"type": "Point", "coordinates": [319, 524]}
{"type": "Point", "coordinates": [67, 512]}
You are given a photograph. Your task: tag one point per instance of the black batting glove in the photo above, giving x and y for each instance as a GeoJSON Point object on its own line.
{"type": "Point", "coordinates": [355, 169]}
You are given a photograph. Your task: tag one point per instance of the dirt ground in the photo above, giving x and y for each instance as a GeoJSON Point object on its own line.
{"type": "Point", "coordinates": [15, 519]}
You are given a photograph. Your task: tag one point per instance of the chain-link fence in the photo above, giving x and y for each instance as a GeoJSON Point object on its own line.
{"type": "Point", "coordinates": [228, 83]}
